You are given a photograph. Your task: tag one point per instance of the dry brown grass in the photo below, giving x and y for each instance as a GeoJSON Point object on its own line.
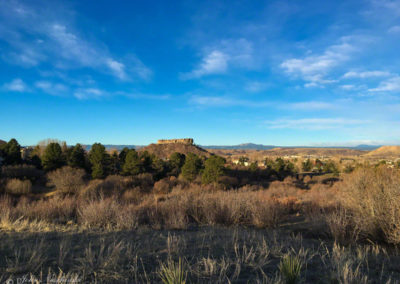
{"type": "Point", "coordinates": [369, 205]}
{"type": "Point", "coordinates": [18, 187]}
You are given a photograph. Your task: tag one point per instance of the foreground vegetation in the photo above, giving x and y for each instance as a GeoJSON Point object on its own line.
{"type": "Point", "coordinates": [192, 219]}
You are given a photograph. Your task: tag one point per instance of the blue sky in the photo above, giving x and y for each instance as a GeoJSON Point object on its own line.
{"type": "Point", "coordinates": [222, 72]}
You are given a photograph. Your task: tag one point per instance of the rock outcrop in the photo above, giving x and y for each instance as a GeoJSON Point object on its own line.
{"type": "Point", "coordinates": [186, 141]}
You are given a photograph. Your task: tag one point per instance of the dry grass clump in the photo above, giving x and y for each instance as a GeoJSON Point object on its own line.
{"type": "Point", "coordinates": [18, 187]}
{"type": "Point", "coordinates": [370, 205]}
{"type": "Point", "coordinates": [67, 179]}
{"type": "Point", "coordinates": [55, 210]}
{"type": "Point", "coordinates": [107, 213]}
{"type": "Point", "coordinates": [165, 185]}
{"type": "Point", "coordinates": [113, 185]}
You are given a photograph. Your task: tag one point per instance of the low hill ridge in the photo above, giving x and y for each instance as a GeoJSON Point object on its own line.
{"type": "Point", "coordinates": [385, 151]}
{"type": "Point", "coordinates": [163, 151]}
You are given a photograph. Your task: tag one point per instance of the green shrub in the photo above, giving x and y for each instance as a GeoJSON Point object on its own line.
{"type": "Point", "coordinates": [290, 268]}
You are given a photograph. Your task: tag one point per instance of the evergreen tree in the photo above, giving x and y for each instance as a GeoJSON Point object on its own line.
{"type": "Point", "coordinates": [52, 157]}
{"type": "Point", "coordinates": [77, 157]}
{"type": "Point", "coordinates": [214, 168]}
{"type": "Point", "coordinates": [115, 166]}
{"type": "Point", "coordinates": [122, 155]}
{"type": "Point", "coordinates": [146, 160]}
{"type": "Point", "coordinates": [12, 152]}
{"type": "Point", "coordinates": [192, 166]}
{"type": "Point", "coordinates": [176, 161]}
{"type": "Point", "coordinates": [132, 165]}
{"type": "Point", "coordinates": [100, 160]}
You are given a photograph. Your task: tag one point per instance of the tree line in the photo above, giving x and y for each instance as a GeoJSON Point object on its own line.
{"type": "Point", "coordinates": [99, 163]}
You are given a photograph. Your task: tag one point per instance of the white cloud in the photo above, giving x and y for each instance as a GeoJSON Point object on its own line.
{"type": "Point", "coordinates": [16, 85]}
{"type": "Point", "coordinates": [311, 105]}
{"type": "Point", "coordinates": [213, 101]}
{"type": "Point", "coordinates": [51, 88]}
{"type": "Point", "coordinates": [220, 57]}
{"type": "Point", "coordinates": [313, 68]}
{"type": "Point", "coordinates": [89, 93]}
{"type": "Point", "coordinates": [314, 123]}
{"type": "Point", "coordinates": [117, 67]}
{"type": "Point", "coordinates": [394, 30]}
{"type": "Point", "coordinates": [35, 37]}
{"type": "Point", "coordinates": [216, 62]}
{"type": "Point", "coordinates": [366, 74]}
{"type": "Point", "coordinates": [389, 85]}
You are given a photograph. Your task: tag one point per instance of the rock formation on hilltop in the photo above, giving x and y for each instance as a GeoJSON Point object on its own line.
{"type": "Point", "coordinates": [187, 141]}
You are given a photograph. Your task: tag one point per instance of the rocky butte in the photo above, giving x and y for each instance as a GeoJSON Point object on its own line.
{"type": "Point", "coordinates": [186, 141]}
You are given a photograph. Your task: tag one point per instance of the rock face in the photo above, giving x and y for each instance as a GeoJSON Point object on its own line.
{"type": "Point", "coordinates": [186, 141]}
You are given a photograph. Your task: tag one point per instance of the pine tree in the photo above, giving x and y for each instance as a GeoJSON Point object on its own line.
{"type": "Point", "coordinates": [99, 160]}
{"type": "Point", "coordinates": [192, 167]}
{"type": "Point", "coordinates": [52, 158]}
{"type": "Point", "coordinates": [77, 157]}
{"type": "Point", "coordinates": [214, 168]}
{"type": "Point", "coordinates": [132, 165]}
{"type": "Point", "coordinates": [12, 152]}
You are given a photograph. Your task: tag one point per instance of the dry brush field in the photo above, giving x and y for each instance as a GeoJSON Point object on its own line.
{"type": "Point", "coordinates": [124, 230]}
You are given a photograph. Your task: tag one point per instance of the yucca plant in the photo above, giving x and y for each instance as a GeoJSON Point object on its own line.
{"type": "Point", "coordinates": [290, 268]}
{"type": "Point", "coordinates": [172, 272]}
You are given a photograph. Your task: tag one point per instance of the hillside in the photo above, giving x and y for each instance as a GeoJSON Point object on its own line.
{"type": "Point", "coordinates": [279, 152]}
{"type": "Point", "coordinates": [385, 151]}
{"type": "Point", "coordinates": [165, 150]}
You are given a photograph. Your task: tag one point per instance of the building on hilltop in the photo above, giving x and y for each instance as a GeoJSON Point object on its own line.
{"type": "Point", "coordinates": [186, 141]}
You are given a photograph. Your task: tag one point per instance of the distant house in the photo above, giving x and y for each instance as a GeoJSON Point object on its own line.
{"type": "Point", "coordinates": [26, 152]}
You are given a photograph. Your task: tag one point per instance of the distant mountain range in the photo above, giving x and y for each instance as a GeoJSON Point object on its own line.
{"type": "Point", "coordinates": [248, 146]}
{"type": "Point", "coordinates": [252, 146]}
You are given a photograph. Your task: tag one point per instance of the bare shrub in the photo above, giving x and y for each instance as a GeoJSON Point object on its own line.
{"type": "Point", "coordinates": [18, 187]}
{"type": "Point", "coordinates": [67, 179]}
{"type": "Point", "coordinates": [144, 181]}
{"type": "Point", "coordinates": [267, 214]}
{"type": "Point", "coordinates": [112, 185]}
{"type": "Point", "coordinates": [107, 213]}
{"type": "Point", "coordinates": [372, 197]}
{"type": "Point", "coordinates": [133, 195]}
{"type": "Point", "coordinates": [164, 185]}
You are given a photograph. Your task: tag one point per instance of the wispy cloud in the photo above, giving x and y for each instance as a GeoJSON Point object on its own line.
{"type": "Point", "coordinates": [314, 123]}
{"type": "Point", "coordinates": [366, 74]}
{"type": "Point", "coordinates": [224, 101]}
{"type": "Point", "coordinates": [311, 105]}
{"type": "Point", "coordinates": [389, 85]}
{"type": "Point", "coordinates": [314, 68]}
{"type": "Point", "coordinates": [213, 101]}
{"type": "Point", "coordinates": [256, 86]}
{"type": "Point", "coordinates": [96, 93]}
{"type": "Point", "coordinates": [16, 85]}
{"type": "Point", "coordinates": [216, 62]}
{"type": "Point", "coordinates": [51, 88]}
{"type": "Point", "coordinates": [35, 37]}
{"type": "Point", "coordinates": [394, 30]}
{"type": "Point", "coordinates": [89, 93]}
{"type": "Point", "coordinates": [218, 58]}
